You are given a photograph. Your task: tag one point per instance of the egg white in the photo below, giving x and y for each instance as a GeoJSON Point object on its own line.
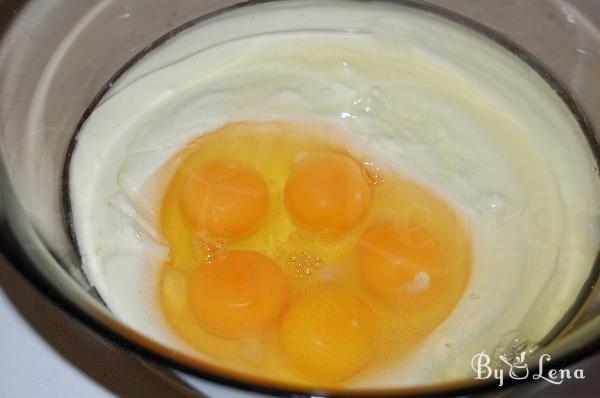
{"type": "Point", "coordinates": [441, 104]}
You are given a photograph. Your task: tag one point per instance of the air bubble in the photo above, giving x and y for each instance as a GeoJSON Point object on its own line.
{"type": "Point", "coordinates": [205, 249]}
{"type": "Point", "coordinates": [512, 349]}
{"type": "Point", "coordinates": [345, 67]}
{"type": "Point", "coordinates": [375, 172]}
{"type": "Point", "coordinates": [347, 115]}
{"type": "Point", "coordinates": [364, 104]}
{"type": "Point", "coordinates": [421, 281]}
{"type": "Point", "coordinates": [253, 348]}
{"type": "Point", "coordinates": [304, 264]}
{"type": "Point", "coordinates": [494, 203]}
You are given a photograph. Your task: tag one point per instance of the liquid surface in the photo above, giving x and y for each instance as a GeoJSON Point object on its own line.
{"type": "Point", "coordinates": [414, 96]}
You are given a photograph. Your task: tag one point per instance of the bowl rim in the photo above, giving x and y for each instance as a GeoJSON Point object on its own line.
{"type": "Point", "coordinates": [12, 234]}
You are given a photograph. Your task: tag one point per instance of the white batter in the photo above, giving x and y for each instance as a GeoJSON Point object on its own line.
{"type": "Point", "coordinates": [441, 104]}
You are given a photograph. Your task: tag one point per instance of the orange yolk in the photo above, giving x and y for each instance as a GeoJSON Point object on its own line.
{"type": "Point", "coordinates": [328, 336]}
{"type": "Point", "coordinates": [236, 293]}
{"type": "Point", "coordinates": [327, 191]}
{"type": "Point", "coordinates": [225, 198]}
{"type": "Point", "coordinates": [397, 260]}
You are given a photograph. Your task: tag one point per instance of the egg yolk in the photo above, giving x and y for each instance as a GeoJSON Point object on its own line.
{"type": "Point", "coordinates": [395, 259]}
{"type": "Point", "coordinates": [238, 292]}
{"type": "Point", "coordinates": [327, 191]}
{"type": "Point", "coordinates": [327, 336]}
{"type": "Point", "coordinates": [225, 198]}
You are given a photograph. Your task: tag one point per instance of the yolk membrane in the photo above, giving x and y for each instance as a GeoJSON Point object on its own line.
{"type": "Point", "coordinates": [395, 261]}
{"type": "Point", "coordinates": [225, 198]}
{"type": "Point", "coordinates": [327, 335]}
{"type": "Point", "coordinates": [327, 191]}
{"type": "Point", "coordinates": [236, 293]}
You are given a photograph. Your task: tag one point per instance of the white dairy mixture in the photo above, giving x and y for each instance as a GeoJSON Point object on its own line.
{"type": "Point", "coordinates": [441, 104]}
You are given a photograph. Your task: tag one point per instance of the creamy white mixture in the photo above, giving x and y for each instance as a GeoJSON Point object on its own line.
{"type": "Point", "coordinates": [438, 102]}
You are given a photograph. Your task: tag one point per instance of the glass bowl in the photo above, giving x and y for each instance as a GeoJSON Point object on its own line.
{"type": "Point", "coordinates": [57, 59]}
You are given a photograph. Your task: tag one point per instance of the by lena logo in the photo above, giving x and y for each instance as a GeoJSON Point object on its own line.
{"type": "Point", "coordinates": [517, 369]}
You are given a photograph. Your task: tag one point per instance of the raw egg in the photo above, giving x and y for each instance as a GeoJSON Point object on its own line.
{"type": "Point", "coordinates": [288, 259]}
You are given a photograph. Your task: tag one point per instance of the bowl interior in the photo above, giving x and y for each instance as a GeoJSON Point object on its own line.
{"type": "Point", "coordinates": [56, 59]}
